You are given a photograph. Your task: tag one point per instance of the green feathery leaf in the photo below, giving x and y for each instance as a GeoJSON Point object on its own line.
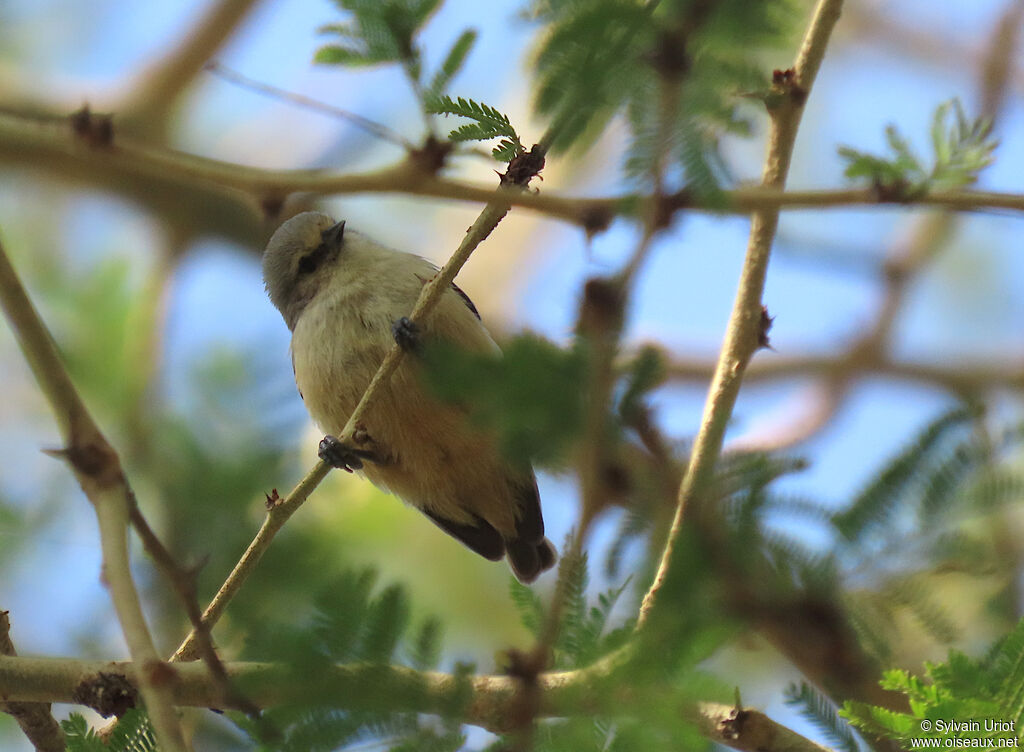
{"type": "Point", "coordinates": [819, 710]}
{"type": "Point", "coordinates": [380, 31]}
{"type": "Point", "coordinates": [425, 652]}
{"type": "Point", "coordinates": [488, 123]}
{"type": "Point", "coordinates": [961, 149]}
{"type": "Point", "coordinates": [133, 733]}
{"type": "Point", "coordinates": [530, 397]}
{"type": "Point", "coordinates": [984, 698]}
{"type": "Point", "coordinates": [874, 505]}
{"type": "Point", "coordinates": [451, 65]}
{"type": "Point", "coordinates": [527, 602]}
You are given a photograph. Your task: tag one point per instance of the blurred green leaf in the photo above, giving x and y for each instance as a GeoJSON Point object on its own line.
{"type": "Point", "coordinates": [819, 710]}
{"type": "Point", "coordinates": [451, 65]}
{"type": "Point", "coordinates": [380, 31]}
{"type": "Point", "coordinates": [961, 149]}
{"type": "Point", "coordinates": [644, 373]}
{"type": "Point", "coordinates": [680, 70]}
{"type": "Point", "coordinates": [350, 624]}
{"type": "Point", "coordinates": [530, 398]}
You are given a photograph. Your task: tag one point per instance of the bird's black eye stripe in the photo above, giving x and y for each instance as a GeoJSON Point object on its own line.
{"type": "Point", "coordinates": [313, 259]}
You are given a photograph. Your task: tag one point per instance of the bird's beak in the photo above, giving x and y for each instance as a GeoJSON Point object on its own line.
{"type": "Point", "coordinates": [332, 235]}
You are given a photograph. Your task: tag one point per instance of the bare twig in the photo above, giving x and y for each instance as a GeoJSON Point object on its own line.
{"type": "Point", "coordinates": [907, 259]}
{"type": "Point", "coordinates": [379, 130]}
{"type": "Point", "coordinates": [90, 454]}
{"type": "Point", "coordinates": [967, 377]}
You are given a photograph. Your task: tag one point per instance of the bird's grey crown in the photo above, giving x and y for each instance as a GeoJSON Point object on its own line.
{"type": "Point", "coordinates": [291, 241]}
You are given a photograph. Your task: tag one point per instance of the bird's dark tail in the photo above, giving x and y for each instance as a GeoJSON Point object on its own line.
{"type": "Point", "coordinates": [528, 560]}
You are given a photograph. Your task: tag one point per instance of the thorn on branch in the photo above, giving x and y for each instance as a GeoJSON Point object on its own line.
{"type": "Point", "coordinates": [273, 499]}
{"type": "Point", "coordinates": [107, 693]}
{"type": "Point", "coordinates": [670, 57]}
{"type": "Point", "coordinates": [764, 327]}
{"type": "Point", "coordinates": [730, 726]}
{"type": "Point", "coordinates": [595, 220]}
{"type": "Point", "coordinates": [271, 207]}
{"type": "Point", "coordinates": [95, 130]}
{"type": "Point", "coordinates": [601, 311]}
{"type": "Point", "coordinates": [96, 461]}
{"type": "Point", "coordinates": [895, 191]}
{"type": "Point", "coordinates": [524, 167]}
{"type": "Point", "coordinates": [784, 82]}
{"type": "Point", "coordinates": [432, 155]}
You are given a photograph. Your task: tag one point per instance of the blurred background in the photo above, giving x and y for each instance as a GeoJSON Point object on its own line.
{"type": "Point", "coordinates": [158, 303]}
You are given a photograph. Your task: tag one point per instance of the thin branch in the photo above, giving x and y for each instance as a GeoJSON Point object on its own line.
{"type": "Point", "coordinates": [489, 218]}
{"type": "Point", "coordinates": [835, 374]}
{"type": "Point", "coordinates": [967, 377]}
{"type": "Point", "coordinates": [750, 730]}
{"type": "Point", "coordinates": [478, 700]}
{"type": "Point", "coordinates": [158, 90]}
{"type": "Point", "coordinates": [96, 462]}
{"type": "Point", "coordinates": [225, 199]}
{"type": "Point", "coordinates": [154, 677]}
{"type": "Point", "coordinates": [278, 512]}
{"type": "Point", "coordinates": [378, 130]}
{"type": "Point", "coordinates": [742, 336]}
{"type": "Point", "coordinates": [816, 407]}
{"type": "Point", "coordinates": [98, 471]}
{"type": "Point", "coordinates": [34, 718]}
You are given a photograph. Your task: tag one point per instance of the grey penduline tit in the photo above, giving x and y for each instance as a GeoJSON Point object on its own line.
{"type": "Point", "coordinates": [345, 297]}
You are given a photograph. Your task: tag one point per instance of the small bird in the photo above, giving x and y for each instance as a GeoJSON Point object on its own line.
{"type": "Point", "coordinates": [346, 299]}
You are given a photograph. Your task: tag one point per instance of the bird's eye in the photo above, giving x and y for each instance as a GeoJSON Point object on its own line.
{"type": "Point", "coordinates": [309, 263]}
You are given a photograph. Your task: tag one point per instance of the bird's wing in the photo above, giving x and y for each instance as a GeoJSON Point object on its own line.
{"type": "Point", "coordinates": [481, 538]}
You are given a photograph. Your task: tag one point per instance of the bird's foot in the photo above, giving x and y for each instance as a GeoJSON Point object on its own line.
{"type": "Point", "coordinates": [336, 454]}
{"type": "Point", "coordinates": [406, 333]}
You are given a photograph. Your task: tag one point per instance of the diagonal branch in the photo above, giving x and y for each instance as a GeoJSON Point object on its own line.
{"type": "Point", "coordinates": [98, 471]}
{"type": "Point", "coordinates": [742, 337]}
{"type": "Point", "coordinates": [158, 90]}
